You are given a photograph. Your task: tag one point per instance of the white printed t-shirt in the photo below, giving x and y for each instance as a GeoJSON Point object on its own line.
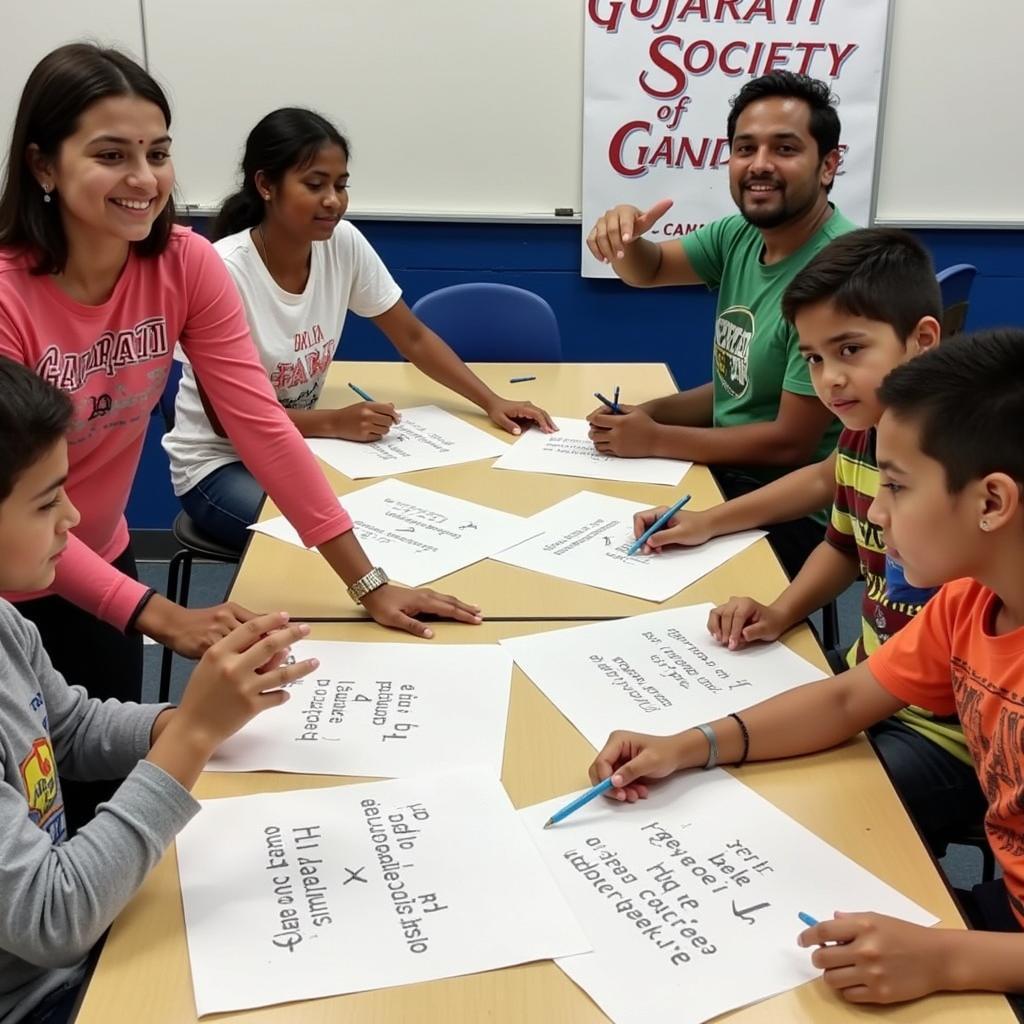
{"type": "Point", "coordinates": [295, 335]}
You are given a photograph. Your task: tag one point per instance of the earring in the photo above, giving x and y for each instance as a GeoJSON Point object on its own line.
{"type": "Point", "coordinates": [47, 198]}
{"type": "Point", "coordinates": [984, 525]}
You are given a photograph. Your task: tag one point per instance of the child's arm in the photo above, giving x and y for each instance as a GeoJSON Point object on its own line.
{"type": "Point", "coordinates": [426, 351]}
{"type": "Point", "coordinates": [873, 958]}
{"type": "Point", "coordinates": [59, 897]}
{"type": "Point", "coordinates": [360, 421]}
{"type": "Point", "coordinates": [824, 576]}
{"type": "Point", "coordinates": [801, 493]}
{"type": "Point", "coordinates": [811, 717]}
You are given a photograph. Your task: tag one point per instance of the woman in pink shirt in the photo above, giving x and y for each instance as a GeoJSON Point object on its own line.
{"type": "Point", "coordinates": [96, 286]}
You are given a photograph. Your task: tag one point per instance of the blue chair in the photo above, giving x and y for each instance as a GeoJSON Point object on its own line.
{"type": "Point", "coordinates": [495, 323]}
{"type": "Point", "coordinates": [955, 284]}
{"type": "Point", "coordinates": [193, 542]}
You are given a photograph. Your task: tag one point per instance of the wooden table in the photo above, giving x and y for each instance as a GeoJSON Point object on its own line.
{"type": "Point", "coordinates": [278, 575]}
{"type": "Point", "coordinates": [842, 795]}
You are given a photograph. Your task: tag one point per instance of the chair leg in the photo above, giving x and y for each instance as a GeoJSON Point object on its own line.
{"type": "Point", "coordinates": [178, 569]}
{"type": "Point", "coordinates": [988, 861]}
{"type": "Point", "coordinates": [830, 626]}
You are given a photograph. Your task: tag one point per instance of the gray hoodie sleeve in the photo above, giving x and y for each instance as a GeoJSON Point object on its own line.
{"type": "Point", "coordinates": [92, 738]}
{"type": "Point", "coordinates": [59, 899]}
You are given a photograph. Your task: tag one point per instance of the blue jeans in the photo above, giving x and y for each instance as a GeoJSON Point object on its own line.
{"type": "Point", "coordinates": [941, 793]}
{"type": "Point", "coordinates": [224, 503]}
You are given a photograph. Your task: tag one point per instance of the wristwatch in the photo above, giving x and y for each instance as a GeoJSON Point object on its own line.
{"type": "Point", "coordinates": [374, 579]}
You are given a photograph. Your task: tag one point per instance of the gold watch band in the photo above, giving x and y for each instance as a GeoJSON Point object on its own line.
{"type": "Point", "coordinates": [373, 580]}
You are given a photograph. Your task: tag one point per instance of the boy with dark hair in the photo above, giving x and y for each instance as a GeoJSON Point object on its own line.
{"type": "Point", "coordinates": [950, 510]}
{"type": "Point", "coordinates": [757, 418]}
{"type": "Point", "coordinates": [60, 894]}
{"type": "Point", "coordinates": [865, 304]}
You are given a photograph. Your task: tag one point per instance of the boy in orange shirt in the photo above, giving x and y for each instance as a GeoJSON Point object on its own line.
{"type": "Point", "coordinates": [951, 509]}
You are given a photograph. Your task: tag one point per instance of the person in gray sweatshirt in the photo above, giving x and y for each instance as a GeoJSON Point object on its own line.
{"type": "Point", "coordinates": [59, 895]}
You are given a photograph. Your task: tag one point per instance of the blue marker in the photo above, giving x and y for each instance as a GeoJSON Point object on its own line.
{"type": "Point", "coordinates": [616, 411]}
{"type": "Point", "coordinates": [601, 787]}
{"type": "Point", "coordinates": [657, 525]}
{"type": "Point", "coordinates": [360, 392]}
{"type": "Point", "coordinates": [807, 919]}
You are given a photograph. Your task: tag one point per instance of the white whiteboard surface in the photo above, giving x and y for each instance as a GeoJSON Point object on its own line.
{"type": "Point", "coordinates": [952, 148]}
{"type": "Point", "coordinates": [474, 107]}
{"type": "Point", "coordinates": [462, 106]}
{"type": "Point", "coordinates": [31, 30]}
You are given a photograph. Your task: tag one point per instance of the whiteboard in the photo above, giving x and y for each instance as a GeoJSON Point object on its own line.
{"type": "Point", "coordinates": [474, 107]}
{"type": "Point", "coordinates": [38, 28]}
{"type": "Point", "coordinates": [952, 148]}
{"type": "Point", "coordinates": [457, 107]}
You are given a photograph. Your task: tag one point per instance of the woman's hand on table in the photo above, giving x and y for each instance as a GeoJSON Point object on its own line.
{"type": "Point", "coordinates": [396, 607]}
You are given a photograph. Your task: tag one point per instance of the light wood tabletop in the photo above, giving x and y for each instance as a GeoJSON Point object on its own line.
{"type": "Point", "coordinates": [842, 795]}
{"type": "Point", "coordinates": [275, 575]}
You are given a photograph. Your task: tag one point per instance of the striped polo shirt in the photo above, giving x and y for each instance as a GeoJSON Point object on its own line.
{"type": "Point", "coordinates": [850, 532]}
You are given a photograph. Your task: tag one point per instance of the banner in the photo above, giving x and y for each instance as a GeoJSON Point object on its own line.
{"type": "Point", "coordinates": [659, 77]}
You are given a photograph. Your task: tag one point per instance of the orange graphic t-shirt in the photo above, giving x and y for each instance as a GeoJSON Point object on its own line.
{"type": "Point", "coordinates": [948, 659]}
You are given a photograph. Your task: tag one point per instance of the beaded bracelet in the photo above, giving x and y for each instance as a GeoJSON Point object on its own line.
{"type": "Point", "coordinates": [746, 738]}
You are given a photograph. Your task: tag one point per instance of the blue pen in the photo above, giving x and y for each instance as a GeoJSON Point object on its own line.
{"type": "Point", "coordinates": [615, 397]}
{"type": "Point", "coordinates": [360, 392]}
{"type": "Point", "coordinates": [807, 919]}
{"type": "Point", "coordinates": [616, 411]}
{"type": "Point", "coordinates": [520, 380]}
{"type": "Point", "coordinates": [601, 787]}
{"type": "Point", "coordinates": [657, 525]}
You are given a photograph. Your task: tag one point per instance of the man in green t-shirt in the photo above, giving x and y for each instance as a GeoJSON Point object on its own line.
{"type": "Point", "coordinates": [758, 417]}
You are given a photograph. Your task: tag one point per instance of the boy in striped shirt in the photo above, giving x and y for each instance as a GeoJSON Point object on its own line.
{"type": "Point", "coordinates": [865, 304]}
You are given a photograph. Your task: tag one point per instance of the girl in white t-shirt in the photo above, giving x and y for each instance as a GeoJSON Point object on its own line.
{"type": "Point", "coordinates": [300, 268]}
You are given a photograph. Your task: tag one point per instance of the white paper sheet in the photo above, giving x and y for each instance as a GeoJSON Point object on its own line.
{"type": "Point", "coordinates": [391, 710]}
{"type": "Point", "coordinates": [585, 539]}
{"type": "Point", "coordinates": [317, 892]}
{"type": "Point", "coordinates": [656, 673]}
{"type": "Point", "coordinates": [690, 897]}
{"type": "Point", "coordinates": [570, 452]}
{"type": "Point", "coordinates": [418, 535]}
{"type": "Point", "coordinates": [426, 438]}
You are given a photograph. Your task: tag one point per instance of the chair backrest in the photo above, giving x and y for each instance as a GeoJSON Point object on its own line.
{"type": "Point", "coordinates": [955, 284]}
{"type": "Point", "coordinates": [495, 323]}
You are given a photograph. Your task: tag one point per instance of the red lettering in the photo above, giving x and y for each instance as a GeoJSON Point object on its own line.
{"type": "Point", "coordinates": [761, 9]}
{"type": "Point", "coordinates": [840, 57]}
{"type": "Point", "coordinates": [686, 150]}
{"type": "Point", "coordinates": [723, 57]}
{"type": "Point", "coordinates": [676, 73]}
{"type": "Point", "coordinates": [809, 50]}
{"type": "Point", "coordinates": [610, 23]}
{"type": "Point", "coordinates": [776, 58]}
{"type": "Point", "coordinates": [698, 7]}
{"type": "Point", "coordinates": [729, 5]}
{"type": "Point", "coordinates": [617, 145]}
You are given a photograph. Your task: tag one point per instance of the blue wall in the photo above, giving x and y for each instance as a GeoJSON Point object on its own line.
{"type": "Point", "coordinates": [601, 321]}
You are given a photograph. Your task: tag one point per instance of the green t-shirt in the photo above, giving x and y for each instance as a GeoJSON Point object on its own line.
{"type": "Point", "coordinates": [755, 352]}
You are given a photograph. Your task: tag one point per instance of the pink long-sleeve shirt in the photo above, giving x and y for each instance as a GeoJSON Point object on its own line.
{"type": "Point", "coordinates": [113, 360]}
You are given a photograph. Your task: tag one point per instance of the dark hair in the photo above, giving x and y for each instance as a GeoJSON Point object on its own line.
{"type": "Point", "coordinates": [285, 138]}
{"type": "Point", "coordinates": [967, 398]}
{"type": "Point", "coordinates": [61, 87]}
{"type": "Point", "coordinates": [880, 273]}
{"type": "Point", "coordinates": [825, 126]}
{"type": "Point", "coordinates": [34, 416]}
